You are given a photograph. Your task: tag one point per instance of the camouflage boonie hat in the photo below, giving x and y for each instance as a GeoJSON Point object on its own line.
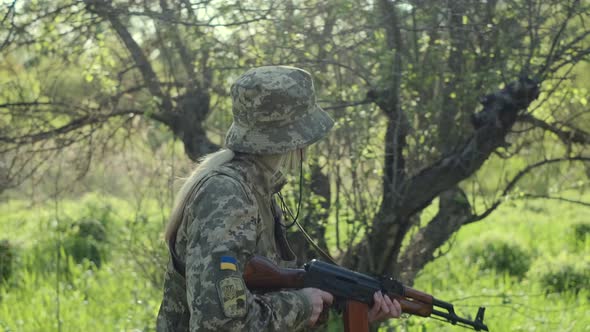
{"type": "Point", "coordinates": [275, 111]}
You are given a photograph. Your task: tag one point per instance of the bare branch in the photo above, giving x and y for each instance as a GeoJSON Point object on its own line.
{"type": "Point", "coordinates": [185, 55]}
{"type": "Point", "coordinates": [573, 135]}
{"type": "Point", "coordinates": [10, 12]}
{"type": "Point", "coordinates": [562, 199]}
{"type": "Point", "coordinates": [345, 105]}
{"type": "Point", "coordinates": [104, 9]}
{"type": "Point", "coordinates": [166, 19]}
{"type": "Point", "coordinates": [550, 56]}
{"type": "Point", "coordinates": [73, 125]}
{"type": "Point", "coordinates": [517, 178]}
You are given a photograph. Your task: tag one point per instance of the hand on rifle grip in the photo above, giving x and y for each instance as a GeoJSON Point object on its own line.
{"type": "Point", "coordinates": [318, 298]}
{"type": "Point", "coordinates": [384, 308]}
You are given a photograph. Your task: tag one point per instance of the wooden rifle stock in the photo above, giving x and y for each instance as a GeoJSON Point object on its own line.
{"type": "Point", "coordinates": [415, 302]}
{"type": "Point", "coordinates": [263, 275]}
{"type": "Point", "coordinates": [356, 317]}
{"type": "Point", "coordinates": [413, 307]}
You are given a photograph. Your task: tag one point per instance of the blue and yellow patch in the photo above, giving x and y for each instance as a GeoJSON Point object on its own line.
{"type": "Point", "coordinates": [228, 263]}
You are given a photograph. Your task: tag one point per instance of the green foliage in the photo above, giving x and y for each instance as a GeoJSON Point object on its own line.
{"type": "Point", "coordinates": [581, 232]}
{"type": "Point", "coordinates": [563, 273]}
{"type": "Point", "coordinates": [86, 240]}
{"type": "Point", "coordinates": [513, 304]}
{"type": "Point", "coordinates": [7, 258]}
{"type": "Point", "coordinates": [123, 294]}
{"type": "Point", "coordinates": [82, 236]}
{"type": "Point", "coordinates": [90, 228]}
{"type": "Point", "coordinates": [112, 298]}
{"type": "Point", "coordinates": [66, 258]}
{"type": "Point", "coordinates": [496, 252]}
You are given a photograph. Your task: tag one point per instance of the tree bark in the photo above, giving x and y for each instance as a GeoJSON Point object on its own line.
{"type": "Point", "coordinates": [454, 210]}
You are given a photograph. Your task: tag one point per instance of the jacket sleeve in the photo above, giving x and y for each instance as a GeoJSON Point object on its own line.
{"type": "Point", "coordinates": [222, 236]}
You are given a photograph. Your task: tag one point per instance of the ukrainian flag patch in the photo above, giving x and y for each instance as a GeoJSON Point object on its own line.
{"type": "Point", "coordinates": [228, 263]}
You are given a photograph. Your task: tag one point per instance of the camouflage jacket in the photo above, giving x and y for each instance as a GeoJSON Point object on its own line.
{"type": "Point", "coordinates": [232, 216]}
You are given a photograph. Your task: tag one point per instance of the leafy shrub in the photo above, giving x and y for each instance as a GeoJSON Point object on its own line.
{"type": "Point", "coordinates": [90, 228]}
{"type": "Point", "coordinates": [499, 254]}
{"type": "Point", "coordinates": [102, 212]}
{"type": "Point", "coordinates": [7, 256]}
{"type": "Point", "coordinates": [561, 274]}
{"type": "Point", "coordinates": [85, 240]}
{"type": "Point", "coordinates": [581, 231]}
{"type": "Point", "coordinates": [81, 240]}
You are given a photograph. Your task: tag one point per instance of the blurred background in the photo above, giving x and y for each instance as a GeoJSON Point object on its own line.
{"type": "Point", "coordinates": [106, 105]}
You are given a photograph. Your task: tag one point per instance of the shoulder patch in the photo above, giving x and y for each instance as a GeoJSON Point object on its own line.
{"type": "Point", "coordinates": [232, 296]}
{"type": "Point", "coordinates": [228, 263]}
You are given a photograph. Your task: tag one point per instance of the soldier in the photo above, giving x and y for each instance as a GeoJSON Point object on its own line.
{"type": "Point", "coordinates": [226, 212]}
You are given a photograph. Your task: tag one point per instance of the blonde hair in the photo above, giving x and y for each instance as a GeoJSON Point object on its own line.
{"type": "Point", "coordinates": [287, 162]}
{"type": "Point", "coordinates": [205, 166]}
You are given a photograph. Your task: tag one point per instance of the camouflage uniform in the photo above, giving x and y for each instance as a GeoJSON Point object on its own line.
{"type": "Point", "coordinates": [232, 214]}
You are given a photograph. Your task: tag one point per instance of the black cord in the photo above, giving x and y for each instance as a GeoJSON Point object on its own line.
{"type": "Point", "coordinates": [287, 211]}
{"type": "Point", "coordinates": [284, 206]}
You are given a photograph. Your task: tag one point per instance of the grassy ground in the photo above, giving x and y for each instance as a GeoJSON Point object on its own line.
{"type": "Point", "coordinates": [536, 253]}
{"type": "Point", "coordinates": [122, 295]}
{"type": "Point", "coordinates": [544, 232]}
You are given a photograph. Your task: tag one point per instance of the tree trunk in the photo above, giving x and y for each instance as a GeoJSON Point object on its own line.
{"type": "Point", "coordinates": [454, 210]}
{"type": "Point", "coordinates": [192, 109]}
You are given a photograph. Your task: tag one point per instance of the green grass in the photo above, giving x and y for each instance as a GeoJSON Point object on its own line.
{"type": "Point", "coordinates": [544, 229]}
{"type": "Point", "coordinates": [107, 299]}
{"type": "Point", "coordinates": [124, 294]}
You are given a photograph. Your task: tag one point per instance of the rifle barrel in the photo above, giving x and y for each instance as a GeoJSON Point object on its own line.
{"type": "Point", "coordinates": [450, 316]}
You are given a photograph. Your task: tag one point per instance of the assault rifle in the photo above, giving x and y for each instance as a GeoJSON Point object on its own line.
{"type": "Point", "coordinates": [353, 289]}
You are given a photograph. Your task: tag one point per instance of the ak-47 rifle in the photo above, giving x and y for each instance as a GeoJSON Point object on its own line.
{"type": "Point", "coordinates": [355, 290]}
